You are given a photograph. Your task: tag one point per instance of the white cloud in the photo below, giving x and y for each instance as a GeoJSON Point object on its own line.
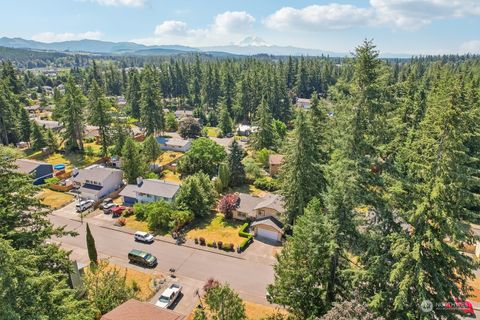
{"type": "Point", "coordinates": [66, 36]}
{"type": "Point", "coordinates": [233, 22]}
{"type": "Point", "coordinates": [171, 27]}
{"type": "Point", "coordinates": [472, 46]}
{"type": "Point", "coordinates": [227, 27]}
{"type": "Point", "coordinates": [401, 14]}
{"type": "Point", "coordinates": [319, 17]}
{"type": "Point", "coordinates": [126, 3]}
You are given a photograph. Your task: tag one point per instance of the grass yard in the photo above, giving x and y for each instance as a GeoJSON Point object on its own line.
{"type": "Point", "coordinates": [55, 199]}
{"type": "Point", "coordinates": [168, 157]}
{"type": "Point", "coordinates": [70, 160]}
{"type": "Point", "coordinates": [137, 225]}
{"type": "Point", "coordinates": [249, 189]}
{"type": "Point", "coordinates": [96, 148]}
{"type": "Point", "coordinates": [216, 228]}
{"type": "Point", "coordinates": [212, 131]}
{"type": "Point", "coordinates": [170, 176]}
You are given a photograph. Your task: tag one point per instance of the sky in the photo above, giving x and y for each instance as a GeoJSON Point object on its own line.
{"type": "Point", "coordinates": [396, 26]}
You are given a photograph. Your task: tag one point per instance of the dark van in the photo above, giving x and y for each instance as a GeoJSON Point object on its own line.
{"type": "Point", "coordinates": [142, 258]}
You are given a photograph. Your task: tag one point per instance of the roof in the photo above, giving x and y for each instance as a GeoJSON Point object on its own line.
{"type": "Point", "coordinates": [27, 165]}
{"type": "Point", "coordinates": [136, 310]}
{"type": "Point", "coordinates": [155, 187]}
{"type": "Point", "coordinates": [303, 100]}
{"type": "Point", "coordinates": [48, 123]}
{"type": "Point", "coordinates": [272, 201]}
{"type": "Point", "coordinates": [183, 113]}
{"type": "Point", "coordinates": [276, 159]}
{"type": "Point", "coordinates": [269, 221]}
{"type": "Point", "coordinates": [176, 142]}
{"type": "Point", "coordinates": [95, 173]}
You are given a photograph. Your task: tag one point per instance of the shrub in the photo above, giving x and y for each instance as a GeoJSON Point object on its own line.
{"type": "Point", "coordinates": [267, 184]}
{"type": "Point", "coordinates": [242, 232]}
{"type": "Point", "coordinates": [214, 244]}
{"type": "Point", "coordinates": [121, 221]}
{"type": "Point", "coordinates": [127, 212]}
{"type": "Point", "coordinates": [249, 238]}
{"type": "Point", "coordinates": [220, 243]}
{"type": "Point", "coordinates": [231, 246]}
{"type": "Point", "coordinates": [202, 241]}
{"type": "Point", "coordinates": [53, 180]}
{"type": "Point", "coordinates": [195, 240]}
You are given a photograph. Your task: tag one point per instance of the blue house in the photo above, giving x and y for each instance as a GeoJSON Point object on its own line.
{"type": "Point", "coordinates": [37, 169]}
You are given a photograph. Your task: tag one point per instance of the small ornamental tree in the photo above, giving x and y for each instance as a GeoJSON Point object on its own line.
{"type": "Point", "coordinates": [189, 127]}
{"type": "Point", "coordinates": [228, 203]}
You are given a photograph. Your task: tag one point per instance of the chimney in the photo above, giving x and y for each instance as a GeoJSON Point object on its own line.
{"type": "Point", "coordinates": [139, 181]}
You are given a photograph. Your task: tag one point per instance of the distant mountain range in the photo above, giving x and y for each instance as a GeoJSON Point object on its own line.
{"type": "Point", "coordinates": [248, 46]}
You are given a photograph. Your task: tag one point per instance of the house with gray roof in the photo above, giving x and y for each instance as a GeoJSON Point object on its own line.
{"type": "Point", "coordinates": [174, 144]}
{"type": "Point", "coordinates": [97, 182]}
{"type": "Point", "coordinates": [149, 190]}
{"type": "Point", "coordinates": [37, 169]}
{"type": "Point", "coordinates": [49, 124]}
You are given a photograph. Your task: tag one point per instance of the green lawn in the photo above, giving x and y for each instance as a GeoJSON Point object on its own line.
{"type": "Point", "coordinates": [70, 160]}
{"type": "Point", "coordinates": [212, 131]}
{"type": "Point", "coordinates": [216, 228]}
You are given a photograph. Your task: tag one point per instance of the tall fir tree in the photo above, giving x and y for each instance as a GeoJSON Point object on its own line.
{"type": "Point", "coordinates": [72, 115]}
{"type": "Point", "coordinates": [25, 125]}
{"type": "Point", "coordinates": [38, 137]}
{"type": "Point", "coordinates": [151, 149]}
{"type": "Point", "coordinates": [264, 136]}
{"type": "Point", "coordinates": [133, 162]}
{"type": "Point", "coordinates": [134, 94]}
{"type": "Point", "coordinates": [100, 114]}
{"type": "Point", "coordinates": [235, 165]}
{"type": "Point", "coordinates": [151, 103]}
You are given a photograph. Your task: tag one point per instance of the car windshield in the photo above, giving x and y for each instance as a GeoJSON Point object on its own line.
{"type": "Point", "coordinates": [163, 299]}
{"type": "Point", "coordinates": [148, 257]}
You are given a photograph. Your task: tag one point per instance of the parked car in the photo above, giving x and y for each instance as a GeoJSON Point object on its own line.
{"type": "Point", "coordinates": [169, 296]}
{"type": "Point", "coordinates": [105, 202]}
{"type": "Point", "coordinates": [143, 237]}
{"type": "Point", "coordinates": [229, 135]}
{"type": "Point", "coordinates": [142, 258]}
{"type": "Point", "coordinates": [107, 208]}
{"type": "Point", "coordinates": [117, 210]}
{"type": "Point", "coordinates": [464, 307]}
{"type": "Point", "coordinates": [84, 205]}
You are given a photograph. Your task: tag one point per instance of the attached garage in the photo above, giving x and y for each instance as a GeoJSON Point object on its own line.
{"type": "Point", "coordinates": [268, 228]}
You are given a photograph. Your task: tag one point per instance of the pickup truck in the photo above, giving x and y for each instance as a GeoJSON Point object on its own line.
{"type": "Point", "coordinates": [169, 296]}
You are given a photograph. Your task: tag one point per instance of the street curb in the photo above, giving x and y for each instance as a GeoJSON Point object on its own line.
{"type": "Point", "coordinates": [166, 241]}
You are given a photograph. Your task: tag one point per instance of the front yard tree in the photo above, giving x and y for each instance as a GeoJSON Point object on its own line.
{"type": "Point", "coordinates": [99, 114]}
{"type": "Point", "coordinates": [107, 287]}
{"type": "Point", "coordinates": [38, 137]}
{"type": "Point", "coordinates": [228, 203]}
{"type": "Point", "coordinates": [92, 250]}
{"type": "Point", "coordinates": [189, 128]}
{"type": "Point", "coordinates": [264, 137]}
{"type": "Point", "coordinates": [225, 122]}
{"type": "Point", "coordinates": [303, 266]}
{"type": "Point", "coordinates": [197, 194]}
{"type": "Point", "coordinates": [204, 155]}
{"type": "Point", "coordinates": [71, 115]}
{"type": "Point", "coordinates": [133, 163]}
{"type": "Point", "coordinates": [224, 303]}
{"type": "Point", "coordinates": [301, 176]}
{"type": "Point", "coordinates": [223, 178]}
{"type": "Point", "coordinates": [151, 104]}
{"type": "Point", "coordinates": [171, 123]}
{"type": "Point", "coordinates": [235, 165]}
{"type": "Point", "coordinates": [151, 149]}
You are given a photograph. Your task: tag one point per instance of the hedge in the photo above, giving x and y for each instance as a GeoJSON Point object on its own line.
{"type": "Point", "coordinates": [249, 238]}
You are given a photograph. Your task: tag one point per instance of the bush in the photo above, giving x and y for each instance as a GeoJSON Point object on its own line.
{"type": "Point", "coordinates": [214, 244]}
{"type": "Point", "coordinates": [210, 244]}
{"type": "Point", "coordinates": [202, 241]}
{"type": "Point", "coordinates": [267, 184]}
{"type": "Point", "coordinates": [231, 246]}
{"type": "Point", "coordinates": [249, 238]}
{"type": "Point", "coordinates": [127, 212]}
{"type": "Point", "coordinates": [53, 180]}
{"type": "Point", "coordinates": [220, 243]}
{"type": "Point", "coordinates": [195, 240]}
{"type": "Point", "coordinates": [121, 221]}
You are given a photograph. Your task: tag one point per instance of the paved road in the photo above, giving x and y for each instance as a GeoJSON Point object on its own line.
{"type": "Point", "coordinates": [248, 278]}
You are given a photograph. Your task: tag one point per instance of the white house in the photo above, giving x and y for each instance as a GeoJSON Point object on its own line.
{"type": "Point", "coordinates": [149, 190]}
{"type": "Point", "coordinates": [246, 130]}
{"type": "Point", "coordinates": [97, 182]}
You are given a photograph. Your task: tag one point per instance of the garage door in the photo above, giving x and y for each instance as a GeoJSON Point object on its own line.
{"type": "Point", "coordinates": [268, 234]}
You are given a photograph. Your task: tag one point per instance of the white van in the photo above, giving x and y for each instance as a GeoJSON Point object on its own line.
{"type": "Point", "coordinates": [143, 237]}
{"type": "Point", "coordinates": [84, 205]}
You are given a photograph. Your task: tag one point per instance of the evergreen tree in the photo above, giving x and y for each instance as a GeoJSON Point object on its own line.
{"type": "Point", "coordinates": [72, 115]}
{"type": "Point", "coordinates": [235, 165]}
{"type": "Point", "coordinates": [120, 133]}
{"type": "Point", "coordinates": [38, 137]}
{"type": "Point", "coordinates": [223, 178]}
{"type": "Point", "coordinates": [301, 80]}
{"type": "Point", "coordinates": [25, 125]}
{"type": "Point", "coordinates": [301, 175]}
{"type": "Point", "coordinates": [225, 124]}
{"type": "Point", "coordinates": [197, 194]}
{"type": "Point", "coordinates": [195, 86]}
{"type": "Point", "coordinates": [151, 105]}
{"type": "Point", "coordinates": [228, 90]}
{"type": "Point", "coordinates": [51, 140]}
{"type": "Point", "coordinates": [264, 136]}
{"type": "Point", "coordinates": [99, 114]}
{"type": "Point", "coordinates": [224, 303]}
{"type": "Point", "coordinates": [303, 266]}
{"type": "Point", "coordinates": [92, 250]}
{"type": "Point", "coordinates": [151, 149]}
{"type": "Point", "coordinates": [133, 95]}
{"type": "Point", "coordinates": [133, 163]}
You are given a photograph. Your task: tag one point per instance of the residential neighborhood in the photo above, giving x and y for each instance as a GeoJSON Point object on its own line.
{"type": "Point", "coordinates": [275, 160]}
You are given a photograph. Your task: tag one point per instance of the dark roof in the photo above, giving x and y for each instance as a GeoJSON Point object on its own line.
{"type": "Point", "coordinates": [272, 221]}
{"type": "Point", "coordinates": [136, 310]}
{"type": "Point", "coordinates": [92, 186]}
{"type": "Point", "coordinates": [28, 166]}
{"type": "Point", "coordinates": [155, 187]}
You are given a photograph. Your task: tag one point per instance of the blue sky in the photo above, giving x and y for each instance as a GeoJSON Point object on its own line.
{"type": "Point", "coordinates": [397, 26]}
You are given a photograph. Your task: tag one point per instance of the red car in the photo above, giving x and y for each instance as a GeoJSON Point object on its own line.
{"type": "Point", "coordinates": [117, 211]}
{"type": "Point", "coordinates": [464, 306]}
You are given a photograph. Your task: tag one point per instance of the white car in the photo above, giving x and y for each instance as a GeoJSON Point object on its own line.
{"type": "Point", "coordinates": [143, 237]}
{"type": "Point", "coordinates": [84, 205]}
{"type": "Point", "coordinates": [109, 206]}
{"type": "Point", "coordinates": [169, 296]}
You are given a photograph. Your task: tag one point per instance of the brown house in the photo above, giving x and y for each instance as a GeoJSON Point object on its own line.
{"type": "Point", "coordinates": [274, 163]}
{"type": "Point", "coordinates": [136, 310]}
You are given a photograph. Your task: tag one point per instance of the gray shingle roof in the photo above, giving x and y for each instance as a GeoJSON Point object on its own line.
{"type": "Point", "coordinates": [155, 187]}
{"type": "Point", "coordinates": [27, 165]}
{"type": "Point", "coordinates": [269, 221]}
{"type": "Point", "coordinates": [99, 174]}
